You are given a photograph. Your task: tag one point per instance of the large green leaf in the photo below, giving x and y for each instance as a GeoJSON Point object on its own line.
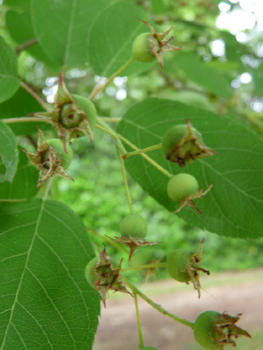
{"type": "Point", "coordinates": [207, 77]}
{"type": "Point", "coordinates": [20, 105]}
{"type": "Point", "coordinates": [24, 182]}
{"type": "Point", "coordinates": [62, 27]}
{"type": "Point", "coordinates": [8, 153]}
{"type": "Point", "coordinates": [9, 81]}
{"type": "Point", "coordinates": [19, 25]}
{"type": "Point", "coordinates": [46, 302]}
{"type": "Point", "coordinates": [111, 39]}
{"type": "Point", "coordinates": [234, 205]}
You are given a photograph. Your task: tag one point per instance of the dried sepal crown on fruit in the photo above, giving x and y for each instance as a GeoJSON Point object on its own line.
{"type": "Point", "coordinates": [213, 330]}
{"type": "Point", "coordinates": [133, 230]}
{"type": "Point", "coordinates": [183, 144]}
{"type": "Point", "coordinates": [103, 277]}
{"type": "Point", "coordinates": [183, 266]}
{"type": "Point", "coordinates": [148, 46]}
{"type": "Point", "coordinates": [183, 189]}
{"type": "Point", "coordinates": [73, 116]}
{"type": "Point", "coordinates": [50, 158]}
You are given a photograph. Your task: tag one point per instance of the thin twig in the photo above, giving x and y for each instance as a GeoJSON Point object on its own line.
{"type": "Point", "coordinates": [25, 45]}
{"type": "Point", "coordinates": [45, 105]}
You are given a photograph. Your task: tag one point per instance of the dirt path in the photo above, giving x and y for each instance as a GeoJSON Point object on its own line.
{"type": "Point", "coordinates": [239, 292]}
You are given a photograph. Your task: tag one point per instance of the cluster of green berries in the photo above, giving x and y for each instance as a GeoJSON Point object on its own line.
{"type": "Point", "coordinates": [73, 116]}
{"type": "Point", "coordinates": [183, 144]}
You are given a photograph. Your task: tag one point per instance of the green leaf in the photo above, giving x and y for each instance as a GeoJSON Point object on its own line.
{"type": "Point", "coordinates": [62, 28]}
{"type": "Point", "coordinates": [9, 81]}
{"type": "Point", "coordinates": [8, 153]}
{"type": "Point", "coordinates": [157, 6]}
{"type": "Point", "coordinates": [234, 205]}
{"type": "Point", "coordinates": [46, 302]}
{"type": "Point", "coordinates": [111, 39]}
{"type": "Point", "coordinates": [24, 183]}
{"type": "Point", "coordinates": [19, 25]}
{"type": "Point", "coordinates": [20, 105]}
{"type": "Point", "coordinates": [258, 80]}
{"type": "Point", "coordinates": [234, 50]}
{"type": "Point", "coordinates": [203, 75]}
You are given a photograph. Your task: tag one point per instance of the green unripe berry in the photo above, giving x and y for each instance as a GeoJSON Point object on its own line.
{"type": "Point", "coordinates": [58, 150]}
{"type": "Point", "coordinates": [213, 330]}
{"type": "Point", "coordinates": [133, 226]}
{"type": "Point", "coordinates": [205, 331]}
{"type": "Point", "coordinates": [88, 108]}
{"type": "Point", "coordinates": [177, 265]}
{"type": "Point", "coordinates": [182, 186]}
{"type": "Point", "coordinates": [173, 138]}
{"type": "Point", "coordinates": [142, 48]}
{"type": "Point", "coordinates": [69, 116]}
{"type": "Point", "coordinates": [91, 277]}
{"type": "Point", "coordinates": [148, 348]}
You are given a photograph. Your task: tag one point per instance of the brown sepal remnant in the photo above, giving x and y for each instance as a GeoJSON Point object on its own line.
{"type": "Point", "coordinates": [159, 44]}
{"type": "Point", "coordinates": [45, 155]}
{"type": "Point", "coordinates": [189, 148]}
{"type": "Point", "coordinates": [69, 120]}
{"type": "Point", "coordinates": [225, 329]}
{"type": "Point", "coordinates": [189, 201]}
{"type": "Point", "coordinates": [132, 243]}
{"type": "Point", "coordinates": [108, 277]}
{"type": "Point", "coordinates": [193, 269]}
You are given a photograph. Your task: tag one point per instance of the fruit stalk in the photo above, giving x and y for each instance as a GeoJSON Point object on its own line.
{"type": "Point", "coordinates": [156, 306]}
{"type": "Point", "coordinates": [26, 119]}
{"type": "Point", "coordinates": [126, 185]}
{"type": "Point", "coordinates": [150, 160]}
{"type": "Point", "coordinates": [112, 133]}
{"type": "Point", "coordinates": [138, 321]}
{"type": "Point", "coordinates": [149, 266]}
{"type": "Point", "coordinates": [96, 90]}
{"type": "Point", "coordinates": [143, 150]}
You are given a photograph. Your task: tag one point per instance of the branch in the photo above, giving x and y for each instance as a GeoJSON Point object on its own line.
{"type": "Point", "coordinates": [25, 45]}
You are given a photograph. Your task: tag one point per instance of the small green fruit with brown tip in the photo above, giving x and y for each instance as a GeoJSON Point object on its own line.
{"type": "Point", "coordinates": [58, 151]}
{"type": "Point", "coordinates": [213, 330]}
{"type": "Point", "coordinates": [183, 266]}
{"type": "Point", "coordinates": [183, 189]}
{"type": "Point", "coordinates": [183, 144]}
{"type": "Point", "coordinates": [142, 48]}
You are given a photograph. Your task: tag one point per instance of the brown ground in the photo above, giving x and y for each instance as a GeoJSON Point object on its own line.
{"type": "Point", "coordinates": [236, 292]}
